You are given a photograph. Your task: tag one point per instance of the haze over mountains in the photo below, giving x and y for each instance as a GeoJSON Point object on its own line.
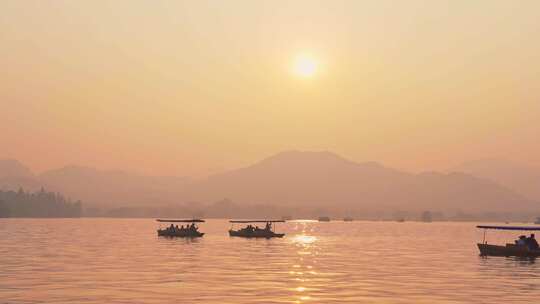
{"type": "Point", "coordinates": [522, 178]}
{"type": "Point", "coordinates": [293, 181]}
{"type": "Point", "coordinates": [13, 175]}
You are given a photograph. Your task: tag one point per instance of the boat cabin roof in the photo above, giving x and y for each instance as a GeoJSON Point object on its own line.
{"type": "Point", "coordinates": [257, 221]}
{"type": "Point", "coordinates": [523, 228]}
{"type": "Point", "coordinates": [180, 221]}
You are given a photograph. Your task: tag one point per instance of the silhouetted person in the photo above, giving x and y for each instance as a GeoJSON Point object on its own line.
{"type": "Point", "coordinates": [532, 243]}
{"type": "Point", "coordinates": [522, 241]}
{"type": "Point", "coordinates": [268, 226]}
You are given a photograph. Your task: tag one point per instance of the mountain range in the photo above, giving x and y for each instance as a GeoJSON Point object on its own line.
{"type": "Point", "coordinates": [321, 181]}
{"type": "Point", "coordinates": [522, 178]}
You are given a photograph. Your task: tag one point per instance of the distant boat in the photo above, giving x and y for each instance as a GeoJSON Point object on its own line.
{"type": "Point", "coordinates": [191, 231]}
{"type": "Point", "coordinates": [400, 220]}
{"type": "Point", "coordinates": [256, 232]}
{"type": "Point", "coordinates": [348, 219]}
{"type": "Point", "coordinates": [324, 219]}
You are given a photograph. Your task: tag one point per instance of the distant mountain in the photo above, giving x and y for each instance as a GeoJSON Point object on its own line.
{"type": "Point", "coordinates": [326, 180]}
{"type": "Point", "coordinates": [14, 175]}
{"type": "Point", "coordinates": [291, 182]}
{"type": "Point", "coordinates": [464, 192]}
{"type": "Point", "coordinates": [113, 188]}
{"type": "Point", "coordinates": [522, 178]}
{"type": "Point", "coordinates": [13, 168]}
{"type": "Point", "coordinates": [94, 187]}
{"type": "Point", "coordinates": [294, 177]}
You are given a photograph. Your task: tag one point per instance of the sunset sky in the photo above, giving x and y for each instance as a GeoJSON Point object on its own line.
{"type": "Point", "coordinates": [195, 87]}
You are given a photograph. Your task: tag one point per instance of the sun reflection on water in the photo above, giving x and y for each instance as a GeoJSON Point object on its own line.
{"type": "Point", "coordinates": [304, 239]}
{"type": "Point", "coordinates": [303, 268]}
{"type": "Point", "coordinates": [314, 263]}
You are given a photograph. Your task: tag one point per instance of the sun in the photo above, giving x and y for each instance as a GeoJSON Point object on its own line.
{"type": "Point", "coordinates": [305, 66]}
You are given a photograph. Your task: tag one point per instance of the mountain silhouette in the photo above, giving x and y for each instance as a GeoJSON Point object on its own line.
{"type": "Point", "coordinates": [324, 179]}
{"type": "Point", "coordinates": [295, 177]}
{"type": "Point", "coordinates": [13, 168]}
{"type": "Point", "coordinates": [320, 181]}
{"type": "Point", "coordinates": [113, 187]}
{"type": "Point", "coordinates": [14, 175]}
{"type": "Point", "coordinates": [522, 178]}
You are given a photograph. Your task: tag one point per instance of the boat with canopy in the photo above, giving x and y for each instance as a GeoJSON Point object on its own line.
{"type": "Point", "coordinates": [519, 248]}
{"type": "Point", "coordinates": [251, 231]}
{"type": "Point", "coordinates": [190, 230]}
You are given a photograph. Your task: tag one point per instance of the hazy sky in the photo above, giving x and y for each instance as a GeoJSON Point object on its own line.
{"type": "Point", "coordinates": [192, 87]}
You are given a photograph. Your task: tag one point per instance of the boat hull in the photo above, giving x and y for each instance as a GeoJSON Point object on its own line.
{"type": "Point", "coordinates": [256, 234]}
{"type": "Point", "coordinates": [185, 234]}
{"type": "Point", "coordinates": [508, 250]}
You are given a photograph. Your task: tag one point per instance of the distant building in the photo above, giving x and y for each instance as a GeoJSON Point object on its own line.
{"type": "Point", "coordinates": [427, 216]}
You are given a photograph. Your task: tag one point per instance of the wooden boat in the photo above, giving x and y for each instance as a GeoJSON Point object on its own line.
{"type": "Point", "coordinates": [324, 219]}
{"type": "Point", "coordinates": [191, 231]}
{"type": "Point", "coordinates": [348, 219]}
{"type": "Point", "coordinates": [256, 232]}
{"type": "Point", "coordinates": [508, 249]}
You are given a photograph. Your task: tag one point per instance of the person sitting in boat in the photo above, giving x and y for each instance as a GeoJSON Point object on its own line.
{"type": "Point", "coordinates": [532, 243]}
{"type": "Point", "coordinates": [249, 229]}
{"type": "Point", "coordinates": [268, 226]}
{"type": "Point", "coordinates": [522, 241]}
{"type": "Point", "coordinates": [171, 228]}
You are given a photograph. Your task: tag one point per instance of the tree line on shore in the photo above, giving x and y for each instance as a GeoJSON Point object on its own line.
{"type": "Point", "coordinates": [37, 204]}
{"type": "Point", "coordinates": [45, 204]}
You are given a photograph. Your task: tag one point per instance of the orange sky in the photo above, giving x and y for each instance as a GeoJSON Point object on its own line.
{"type": "Point", "coordinates": [189, 88]}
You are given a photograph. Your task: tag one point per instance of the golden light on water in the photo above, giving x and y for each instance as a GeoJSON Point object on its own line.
{"type": "Point", "coordinates": [304, 239]}
{"type": "Point", "coordinates": [300, 109]}
{"type": "Point", "coordinates": [302, 271]}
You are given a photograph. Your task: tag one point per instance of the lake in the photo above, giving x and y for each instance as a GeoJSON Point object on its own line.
{"type": "Point", "coordinates": [123, 261]}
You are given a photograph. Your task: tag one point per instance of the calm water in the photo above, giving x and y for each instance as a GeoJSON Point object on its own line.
{"type": "Point", "coordinates": [123, 261]}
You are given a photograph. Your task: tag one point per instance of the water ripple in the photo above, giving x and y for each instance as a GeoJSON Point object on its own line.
{"type": "Point", "coordinates": [123, 261]}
